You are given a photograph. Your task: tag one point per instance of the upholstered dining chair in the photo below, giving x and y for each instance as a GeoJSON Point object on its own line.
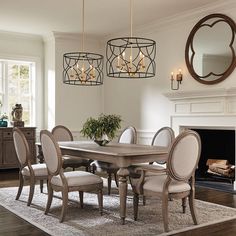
{"type": "Point", "coordinates": [32, 172]}
{"type": "Point", "coordinates": [129, 136]}
{"type": "Point", "coordinates": [66, 182]}
{"type": "Point", "coordinates": [62, 133]}
{"type": "Point", "coordinates": [164, 138]}
{"type": "Point", "coordinates": [178, 180]}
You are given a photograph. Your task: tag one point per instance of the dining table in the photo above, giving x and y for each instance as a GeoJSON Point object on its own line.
{"type": "Point", "coordinates": [122, 155]}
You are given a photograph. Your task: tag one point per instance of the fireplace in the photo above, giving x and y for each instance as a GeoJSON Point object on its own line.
{"type": "Point", "coordinates": [217, 144]}
{"type": "Point", "coordinates": [205, 110]}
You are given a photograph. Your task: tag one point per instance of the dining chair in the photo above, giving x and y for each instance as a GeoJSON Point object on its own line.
{"type": "Point", "coordinates": [163, 138]}
{"type": "Point", "coordinates": [66, 182]}
{"type": "Point", "coordinates": [62, 133]}
{"type": "Point", "coordinates": [129, 136]}
{"type": "Point", "coordinates": [31, 172]}
{"type": "Point", "coordinates": [177, 180]}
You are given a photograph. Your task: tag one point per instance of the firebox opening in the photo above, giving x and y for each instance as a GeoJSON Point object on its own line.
{"type": "Point", "coordinates": [216, 144]}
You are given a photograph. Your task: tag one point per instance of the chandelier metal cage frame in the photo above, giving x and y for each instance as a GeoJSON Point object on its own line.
{"type": "Point", "coordinates": [91, 75]}
{"type": "Point", "coordinates": [143, 53]}
{"type": "Point", "coordinates": [131, 57]}
{"type": "Point", "coordinates": [82, 68]}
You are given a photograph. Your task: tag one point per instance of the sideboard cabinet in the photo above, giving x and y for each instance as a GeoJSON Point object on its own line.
{"type": "Point", "coordinates": [8, 158]}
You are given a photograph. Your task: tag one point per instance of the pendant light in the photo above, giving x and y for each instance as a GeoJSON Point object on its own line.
{"type": "Point", "coordinates": [131, 57]}
{"type": "Point", "coordinates": [82, 68]}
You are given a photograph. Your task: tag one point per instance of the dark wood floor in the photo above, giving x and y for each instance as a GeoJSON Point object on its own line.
{"type": "Point", "coordinates": [11, 225]}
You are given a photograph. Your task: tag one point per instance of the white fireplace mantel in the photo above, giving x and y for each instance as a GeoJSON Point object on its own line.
{"type": "Point", "coordinates": [205, 109]}
{"type": "Point", "coordinates": [215, 107]}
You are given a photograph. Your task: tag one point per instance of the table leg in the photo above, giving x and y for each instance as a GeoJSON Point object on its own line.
{"type": "Point", "coordinates": [123, 173]}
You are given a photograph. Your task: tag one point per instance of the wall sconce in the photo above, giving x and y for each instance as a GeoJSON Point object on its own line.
{"type": "Point", "coordinates": [179, 78]}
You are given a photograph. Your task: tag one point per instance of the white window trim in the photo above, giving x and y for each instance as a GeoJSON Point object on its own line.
{"type": "Point", "coordinates": [39, 84]}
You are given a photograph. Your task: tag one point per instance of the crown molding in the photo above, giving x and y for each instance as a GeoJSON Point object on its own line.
{"type": "Point", "coordinates": [180, 18]}
{"type": "Point", "coordinates": [75, 36]}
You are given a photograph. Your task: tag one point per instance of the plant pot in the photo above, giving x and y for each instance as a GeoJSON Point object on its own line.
{"type": "Point", "coordinates": [102, 142]}
{"type": "Point", "coordinates": [3, 123]}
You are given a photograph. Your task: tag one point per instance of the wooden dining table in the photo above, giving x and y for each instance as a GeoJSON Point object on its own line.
{"type": "Point", "coordinates": [123, 155]}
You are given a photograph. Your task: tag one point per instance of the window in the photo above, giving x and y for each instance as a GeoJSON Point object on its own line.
{"type": "Point", "coordinates": [17, 85]}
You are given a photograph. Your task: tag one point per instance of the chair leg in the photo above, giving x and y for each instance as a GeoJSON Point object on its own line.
{"type": "Point", "coordinates": [100, 201]}
{"type": "Point", "coordinates": [41, 185]}
{"type": "Point", "coordinates": [135, 205]}
{"type": "Point", "coordinates": [21, 184]}
{"type": "Point", "coordinates": [144, 200]}
{"type": "Point", "coordinates": [184, 200]}
{"type": "Point", "coordinates": [165, 211]}
{"type": "Point", "coordinates": [81, 199]}
{"type": "Point", "coordinates": [50, 196]}
{"type": "Point", "coordinates": [31, 193]}
{"type": "Point", "coordinates": [192, 207]}
{"type": "Point", "coordinates": [116, 180]}
{"type": "Point", "coordinates": [64, 204]}
{"type": "Point", "coordinates": [109, 183]}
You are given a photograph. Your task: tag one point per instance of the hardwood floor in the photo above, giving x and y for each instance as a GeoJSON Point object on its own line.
{"type": "Point", "coordinates": [11, 225]}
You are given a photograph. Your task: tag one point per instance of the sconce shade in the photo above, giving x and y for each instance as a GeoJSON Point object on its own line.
{"type": "Point", "coordinates": [82, 68]}
{"type": "Point", "coordinates": [131, 57]}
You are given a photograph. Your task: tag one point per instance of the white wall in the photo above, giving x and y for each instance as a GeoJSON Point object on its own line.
{"type": "Point", "coordinates": [142, 103]}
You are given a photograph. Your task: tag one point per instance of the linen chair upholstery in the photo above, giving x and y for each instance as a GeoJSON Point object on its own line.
{"type": "Point", "coordinates": [32, 172]}
{"type": "Point", "coordinates": [164, 138]}
{"type": "Point", "coordinates": [62, 133]}
{"type": "Point", "coordinates": [59, 181]}
{"type": "Point", "coordinates": [129, 136]}
{"type": "Point", "coordinates": [178, 180]}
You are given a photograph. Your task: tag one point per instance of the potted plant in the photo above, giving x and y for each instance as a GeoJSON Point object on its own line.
{"type": "Point", "coordinates": [103, 129]}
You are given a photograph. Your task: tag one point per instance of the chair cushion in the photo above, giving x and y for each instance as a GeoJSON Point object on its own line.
{"type": "Point", "coordinates": [134, 173]}
{"type": "Point", "coordinates": [155, 183]}
{"type": "Point", "coordinates": [77, 178]}
{"type": "Point", "coordinates": [39, 170]}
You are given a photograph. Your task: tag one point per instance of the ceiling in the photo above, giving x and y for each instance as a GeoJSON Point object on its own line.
{"type": "Point", "coordinates": [102, 17]}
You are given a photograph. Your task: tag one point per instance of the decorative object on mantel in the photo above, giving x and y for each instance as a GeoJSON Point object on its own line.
{"type": "Point", "coordinates": [83, 68]}
{"type": "Point", "coordinates": [179, 78]}
{"type": "Point", "coordinates": [16, 113]}
{"type": "Point", "coordinates": [3, 120]}
{"type": "Point", "coordinates": [210, 49]}
{"type": "Point", "coordinates": [103, 129]}
{"type": "Point", "coordinates": [131, 57]}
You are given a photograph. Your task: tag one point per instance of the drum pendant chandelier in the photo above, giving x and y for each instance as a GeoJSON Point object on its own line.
{"type": "Point", "coordinates": [82, 68]}
{"type": "Point", "coordinates": [131, 57]}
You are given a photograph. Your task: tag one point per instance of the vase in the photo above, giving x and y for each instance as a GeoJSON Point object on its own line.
{"type": "Point", "coordinates": [3, 123]}
{"type": "Point", "coordinates": [102, 142]}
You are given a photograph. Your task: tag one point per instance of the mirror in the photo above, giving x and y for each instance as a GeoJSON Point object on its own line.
{"type": "Point", "coordinates": [210, 49]}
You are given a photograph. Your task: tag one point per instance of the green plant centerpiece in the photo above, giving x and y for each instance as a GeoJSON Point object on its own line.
{"type": "Point", "coordinates": [103, 129]}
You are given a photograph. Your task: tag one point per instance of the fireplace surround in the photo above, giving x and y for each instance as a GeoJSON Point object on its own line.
{"type": "Point", "coordinates": [213, 109]}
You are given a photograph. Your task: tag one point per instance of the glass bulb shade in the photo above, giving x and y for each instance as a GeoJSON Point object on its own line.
{"type": "Point", "coordinates": [82, 68]}
{"type": "Point", "coordinates": [131, 57]}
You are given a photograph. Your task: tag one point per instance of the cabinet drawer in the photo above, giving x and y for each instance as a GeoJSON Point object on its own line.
{"type": "Point", "coordinates": [29, 133]}
{"type": "Point", "coordinates": [7, 134]}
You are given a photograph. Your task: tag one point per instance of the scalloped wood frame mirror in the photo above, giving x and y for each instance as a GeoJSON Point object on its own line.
{"type": "Point", "coordinates": [210, 49]}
